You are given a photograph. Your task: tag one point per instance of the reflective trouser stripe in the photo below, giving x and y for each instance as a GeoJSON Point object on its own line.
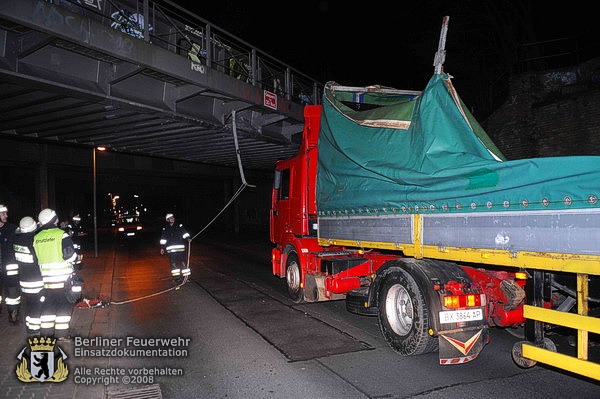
{"type": "Point", "coordinates": [175, 272]}
{"type": "Point", "coordinates": [33, 323]}
{"type": "Point", "coordinates": [47, 321]}
{"type": "Point", "coordinates": [13, 301]}
{"type": "Point", "coordinates": [62, 322]}
{"type": "Point", "coordinates": [12, 269]}
{"type": "Point", "coordinates": [186, 272]}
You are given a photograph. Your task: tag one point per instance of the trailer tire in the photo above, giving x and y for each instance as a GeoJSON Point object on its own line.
{"type": "Point", "coordinates": [549, 344]}
{"type": "Point", "coordinates": [293, 278]}
{"type": "Point", "coordinates": [404, 315]}
{"type": "Point", "coordinates": [517, 356]}
{"type": "Point", "coordinates": [517, 352]}
{"type": "Point", "coordinates": [355, 301]}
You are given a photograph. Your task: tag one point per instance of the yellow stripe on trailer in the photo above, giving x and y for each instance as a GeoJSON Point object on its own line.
{"type": "Point", "coordinates": [548, 261]}
{"type": "Point", "coordinates": [561, 361]}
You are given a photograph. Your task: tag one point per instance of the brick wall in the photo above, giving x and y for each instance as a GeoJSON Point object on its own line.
{"type": "Point", "coordinates": [550, 113]}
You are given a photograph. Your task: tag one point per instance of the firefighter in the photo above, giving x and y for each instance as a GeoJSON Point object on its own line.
{"type": "Point", "coordinates": [10, 272]}
{"type": "Point", "coordinates": [30, 277]}
{"type": "Point", "coordinates": [172, 241]}
{"type": "Point", "coordinates": [56, 255]}
{"type": "Point", "coordinates": [76, 233]}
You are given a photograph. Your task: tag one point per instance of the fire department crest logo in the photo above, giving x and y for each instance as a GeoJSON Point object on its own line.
{"type": "Point", "coordinates": [41, 363]}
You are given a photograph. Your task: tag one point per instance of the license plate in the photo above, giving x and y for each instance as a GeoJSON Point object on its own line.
{"type": "Point", "coordinates": [456, 316]}
{"type": "Point", "coordinates": [130, 234]}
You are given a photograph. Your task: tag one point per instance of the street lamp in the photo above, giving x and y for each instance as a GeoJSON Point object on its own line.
{"type": "Point", "coordinates": [99, 148]}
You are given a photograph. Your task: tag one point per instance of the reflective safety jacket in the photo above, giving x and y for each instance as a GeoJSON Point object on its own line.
{"type": "Point", "coordinates": [173, 238]}
{"type": "Point", "coordinates": [30, 277]}
{"type": "Point", "coordinates": [55, 253]}
{"type": "Point", "coordinates": [7, 235]}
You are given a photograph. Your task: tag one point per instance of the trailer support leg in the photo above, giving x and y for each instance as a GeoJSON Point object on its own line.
{"type": "Point", "coordinates": [534, 330]}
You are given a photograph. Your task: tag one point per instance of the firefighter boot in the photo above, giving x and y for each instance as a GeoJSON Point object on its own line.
{"type": "Point", "coordinates": [13, 316]}
{"type": "Point", "coordinates": [175, 273]}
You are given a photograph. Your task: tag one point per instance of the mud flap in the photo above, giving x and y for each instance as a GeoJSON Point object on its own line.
{"type": "Point", "coordinates": [462, 346]}
{"type": "Point", "coordinates": [311, 289]}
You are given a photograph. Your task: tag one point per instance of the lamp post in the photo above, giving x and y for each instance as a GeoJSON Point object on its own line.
{"type": "Point", "coordinates": [99, 148]}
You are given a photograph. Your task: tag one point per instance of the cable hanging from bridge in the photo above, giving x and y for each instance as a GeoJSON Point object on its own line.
{"type": "Point", "coordinates": [189, 249]}
{"type": "Point", "coordinates": [242, 176]}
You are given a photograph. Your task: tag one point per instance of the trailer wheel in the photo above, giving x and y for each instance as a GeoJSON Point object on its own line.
{"type": "Point", "coordinates": [293, 277]}
{"type": "Point", "coordinates": [404, 316]}
{"type": "Point", "coordinates": [517, 356]}
{"type": "Point", "coordinates": [549, 344]}
{"type": "Point", "coordinates": [517, 352]}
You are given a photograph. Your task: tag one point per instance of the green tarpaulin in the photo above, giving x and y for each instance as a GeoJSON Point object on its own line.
{"type": "Point", "coordinates": [391, 153]}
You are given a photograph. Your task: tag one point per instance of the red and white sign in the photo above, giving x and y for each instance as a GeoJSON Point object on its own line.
{"type": "Point", "coordinates": [270, 99]}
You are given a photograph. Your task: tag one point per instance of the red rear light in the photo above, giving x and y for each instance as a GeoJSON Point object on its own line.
{"type": "Point", "coordinates": [463, 301]}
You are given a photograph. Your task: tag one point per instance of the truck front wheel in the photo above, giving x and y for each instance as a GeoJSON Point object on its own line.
{"type": "Point", "coordinates": [293, 277]}
{"type": "Point", "coordinates": [404, 316]}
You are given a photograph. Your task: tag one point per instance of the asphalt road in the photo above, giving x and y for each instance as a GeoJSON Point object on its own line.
{"type": "Point", "coordinates": [235, 334]}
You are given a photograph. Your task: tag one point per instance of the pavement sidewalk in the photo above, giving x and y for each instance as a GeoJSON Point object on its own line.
{"type": "Point", "coordinates": [85, 322]}
{"type": "Point", "coordinates": [215, 353]}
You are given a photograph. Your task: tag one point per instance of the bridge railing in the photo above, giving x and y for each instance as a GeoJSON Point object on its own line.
{"type": "Point", "coordinates": [181, 31]}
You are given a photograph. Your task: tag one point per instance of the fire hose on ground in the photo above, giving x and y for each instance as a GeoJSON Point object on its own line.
{"type": "Point", "coordinates": [87, 303]}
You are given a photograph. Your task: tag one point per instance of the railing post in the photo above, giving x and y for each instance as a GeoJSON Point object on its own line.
{"type": "Point", "coordinates": [253, 66]}
{"type": "Point", "coordinates": [146, 21]}
{"type": "Point", "coordinates": [259, 76]}
{"type": "Point", "coordinates": [208, 45]}
{"type": "Point", "coordinates": [288, 84]}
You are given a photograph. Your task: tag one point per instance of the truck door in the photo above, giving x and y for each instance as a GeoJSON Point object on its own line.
{"type": "Point", "coordinates": [280, 205]}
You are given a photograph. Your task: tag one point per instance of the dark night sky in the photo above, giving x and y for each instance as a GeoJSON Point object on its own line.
{"type": "Point", "coordinates": [394, 45]}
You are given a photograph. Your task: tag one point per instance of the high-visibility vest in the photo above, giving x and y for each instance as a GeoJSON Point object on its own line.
{"type": "Point", "coordinates": [48, 248]}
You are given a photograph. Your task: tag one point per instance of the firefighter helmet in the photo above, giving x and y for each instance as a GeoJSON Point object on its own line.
{"type": "Point", "coordinates": [169, 215]}
{"type": "Point", "coordinates": [27, 224]}
{"type": "Point", "coordinates": [77, 218]}
{"type": "Point", "coordinates": [3, 208]}
{"type": "Point", "coordinates": [47, 216]}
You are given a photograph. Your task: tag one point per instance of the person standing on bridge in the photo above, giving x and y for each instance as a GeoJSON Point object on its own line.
{"type": "Point", "coordinates": [172, 241]}
{"type": "Point", "coordinates": [56, 256]}
{"type": "Point", "coordinates": [9, 276]}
